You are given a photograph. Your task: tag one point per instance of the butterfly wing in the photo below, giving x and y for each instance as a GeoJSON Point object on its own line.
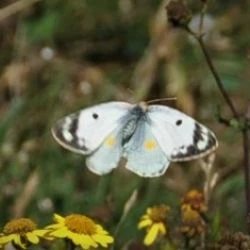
{"type": "Point", "coordinates": [84, 131]}
{"type": "Point", "coordinates": [107, 156]}
{"type": "Point", "coordinates": [143, 153]}
{"type": "Point", "coordinates": [180, 137]}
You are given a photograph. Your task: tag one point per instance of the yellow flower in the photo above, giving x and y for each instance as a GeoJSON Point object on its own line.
{"type": "Point", "coordinates": [155, 223]}
{"type": "Point", "coordinates": [21, 232]}
{"type": "Point", "coordinates": [196, 200]}
{"type": "Point", "coordinates": [192, 222]}
{"type": "Point", "coordinates": [81, 230]}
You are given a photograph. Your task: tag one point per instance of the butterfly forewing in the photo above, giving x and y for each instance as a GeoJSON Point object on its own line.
{"type": "Point", "coordinates": [180, 137]}
{"type": "Point", "coordinates": [84, 131]}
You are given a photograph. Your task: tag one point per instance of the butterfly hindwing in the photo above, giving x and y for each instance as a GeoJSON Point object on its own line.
{"type": "Point", "coordinates": [181, 137]}
{"type": "Point", "coordinates": [84, 131]}
{"type": "Point", "coordinates": [107, 156]}
{"type": "Point", "coordinates": [143, 153]}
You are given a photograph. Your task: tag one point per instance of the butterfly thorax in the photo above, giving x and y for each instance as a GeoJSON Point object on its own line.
{"type": "Point", "coordinates": [131, 122]}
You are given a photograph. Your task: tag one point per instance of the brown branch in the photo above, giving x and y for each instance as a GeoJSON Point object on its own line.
{"type": "Point", "coordinates": [217, 78]}
{"type": "Point", "coordinates": [177, 15]}
{"type": "Point", "coordinates": [244, 129]}
{"type": "Point", "coordinates": [18, 209]}
{"type": "Point", "coordinates": [15, 7]}
{"type": "Point", "coordinates": [202, 15]}
{"type": "Point", "coordinates": [246, 160]}
{"type": "Point", "coordinates": [199, 39]}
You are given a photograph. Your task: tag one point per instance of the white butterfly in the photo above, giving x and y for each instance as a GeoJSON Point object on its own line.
{"type": "Point", "coordinates": [148, 136]}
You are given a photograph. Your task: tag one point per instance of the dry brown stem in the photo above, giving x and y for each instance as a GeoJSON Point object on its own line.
{"type": "Point", "coordinates": [24, 199]}
{"type": "Point", "coordinates": [15, 7]}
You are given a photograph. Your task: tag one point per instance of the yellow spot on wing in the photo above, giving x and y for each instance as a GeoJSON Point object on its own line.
{"type": "Point", "coordinates": [110, 141]}
{"type": "Point", "coordinates": [150, 144]}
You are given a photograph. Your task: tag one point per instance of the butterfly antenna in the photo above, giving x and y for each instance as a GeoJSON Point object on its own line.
{"type": "Point", "coordinates": [162, 100]}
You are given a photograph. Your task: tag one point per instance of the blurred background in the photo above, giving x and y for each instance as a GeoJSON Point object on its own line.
{"type": "Point", "coordinates": [57, 57]}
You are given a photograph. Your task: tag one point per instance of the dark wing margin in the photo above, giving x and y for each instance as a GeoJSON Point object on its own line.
{"type": "Point", "coordinates": [204, 143]}
{"type": "Point", "coordinates": [64, 132]}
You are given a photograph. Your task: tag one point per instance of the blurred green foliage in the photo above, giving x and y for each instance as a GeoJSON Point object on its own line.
{"type": "Point", "coordinates": [61, 56]}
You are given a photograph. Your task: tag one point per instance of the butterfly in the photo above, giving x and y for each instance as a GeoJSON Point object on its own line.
{"type": "Point", "coordinates": [149, 137]}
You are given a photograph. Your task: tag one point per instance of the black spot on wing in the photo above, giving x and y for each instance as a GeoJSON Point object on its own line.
{"type": "Point", "coordinates": [178, 122]}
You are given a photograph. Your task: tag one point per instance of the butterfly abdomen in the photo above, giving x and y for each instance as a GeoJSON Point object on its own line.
{"type": "Point", "coordinates": [131, 122]}
{"type": "Point", "coordinates": [128, 129]}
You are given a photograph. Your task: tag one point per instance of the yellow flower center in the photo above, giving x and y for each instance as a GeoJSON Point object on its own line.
{"type": "Point", "coordinates": [192, 194]}
{"type": "Point", "coordinates": [19, 226]}
{"type": "Point", "coordinates": [80, 224]}
{"type": "Point", "coordinates": [196, 200]}
{"type": "Point", "coordinates": [190, 215]}
{"type": "Point", "coordinates": [159, 213]}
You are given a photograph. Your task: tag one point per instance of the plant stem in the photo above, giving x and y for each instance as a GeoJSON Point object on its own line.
{"type": "Point", "coordinates": [186, 243]}
{"type": "Point", "coordinates": [217, 78]}
{"type": "Point", "coordinates": [202, 14]}
{"type": "Point", "coordinates": [246, 161]}
{"type": "Point", "coordinates": [244, 128]}
{"type": "Point", "coordinates": [69, 245]}
{"type": "Point", "coordinates": [15, 7]}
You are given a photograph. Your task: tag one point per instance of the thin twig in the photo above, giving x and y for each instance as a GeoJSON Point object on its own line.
{"type": "Point", "coordinates": [203, 12]}
{"type": "Point", "coordinates": [217, 78]}
{"type": "Point", "coordinates": [29, 190]}
{"type": "Point", "coordinates": [246, 160]}
{"type": "Point", "coordinates": [128, 206]}
{"type": "Point", "coordinates": [15, 7]}
{"type": "Point", "coordinates": [180, 19]}
{"type": "Point", "coordinates": [69, 244]}
{"type": "Point", "coordinates": [244, 129]}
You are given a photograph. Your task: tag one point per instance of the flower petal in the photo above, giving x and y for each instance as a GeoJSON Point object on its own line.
{"type": "Point", "coordinates": [162, 228]}
{"type": "Point", "coordinates": [59, 219]}
{"type": "Point", "coordinates": [6, 239]}
{"type": "Point", "coordinates": [144, 223]}
{"type": "Point", "coordinates": [100, 230]}
{"type": "Point", "coordinates": [149, 210]}
{"type": "Point", "coordinates": [18, 242]}
{"type": "Point", "coordinates": [87, 242]}
{"type": "Point", "coordinates": [59, 233]}
{"type": "Point", "coordinates": [31, 237]}
{"type": "Point", "coordinates": [41, 232]}
{"type": "Point", "coordinates": [76, 238]}
{"type": "Point", "coordinates": [53, 227]}
{"type": "Point", "coordinates": [103, 240]}
{"type": "Point", "coordinates": [151, 235]}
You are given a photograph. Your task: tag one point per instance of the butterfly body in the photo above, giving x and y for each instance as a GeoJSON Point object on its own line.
{"type": "Point", "coordinates": [131, 121]}
{"type": "Point", "coordinates": [148, 136]}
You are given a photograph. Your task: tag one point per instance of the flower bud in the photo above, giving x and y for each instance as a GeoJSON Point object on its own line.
{"type": "Point", "coordinates": [178, 13]}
